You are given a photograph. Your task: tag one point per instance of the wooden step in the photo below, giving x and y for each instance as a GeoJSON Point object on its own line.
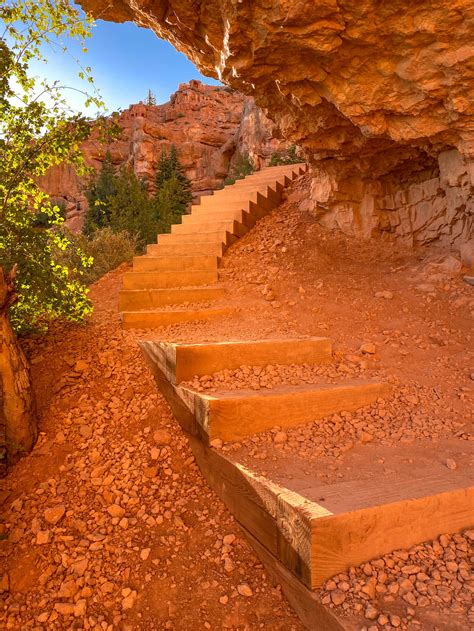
{"type": "Point", "coordinates": [148, 299]}
{"type": "Point", "coordinates": [235, 415]}
{"type": "Point", "coordinates": [259, 196]}
{"type": "Point", "coordinates": [323, 530]}
{"type": "Point", "coordinates": [217, 237]}
{"type": "Point", "coordinates": [174, 263]}
{"type": "Point", "coordinates": [181, 362]}
{"type": "Point", "coordinates": [186, 249]}
{"type": "Point", "coordinates": [162, 280]}
{"type": "Point", "coordinates": [152, 319]}
{"type": "Point", "coordinates": [241, 216]}
{"type": "Point", "coordinates": [255, 210]}
{"type": "Point", "coordinates": [232, 227]}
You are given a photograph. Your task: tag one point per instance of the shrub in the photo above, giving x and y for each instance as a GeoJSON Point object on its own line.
{"type": "Point", "coordinates": [243, 167]}
{"type": "Point", "coordinates": [288, 157]}
{"type": "Point", "coordinates": [106, 248]}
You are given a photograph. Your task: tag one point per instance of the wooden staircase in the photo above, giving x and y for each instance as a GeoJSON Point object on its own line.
{"type": "Point", "coordinates": [308, 531]}
{"type": "Point", "coordinates": [181, 269]}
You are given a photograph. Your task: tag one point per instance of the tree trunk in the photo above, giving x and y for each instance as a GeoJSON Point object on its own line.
{"type": "Point", "coordinates": [17, 402]}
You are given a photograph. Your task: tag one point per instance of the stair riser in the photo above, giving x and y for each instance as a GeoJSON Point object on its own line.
{"type": "Point", "coordinates": [221, 237]}
{"type": "Point", "coordinates": [245, 218]}
{"type": "Point", "coordinates": [261, 198]}
{"type": "Point", "coordinates": [174, 263]}
{"type": "Point", "coordinates": [136, 300]}
{"type": "Point", "coordinates": [239, 417]}
{"type": "Point", "coordinates": [233, 227]}
{"type": "Point", "coordinates": [194, 249]}
{"type": "Point", "coordinates": [165, 280]}
{"type": "Point", "coordinates": [156, 319]}
{"type": "Point", "coordinates": [181, 362]}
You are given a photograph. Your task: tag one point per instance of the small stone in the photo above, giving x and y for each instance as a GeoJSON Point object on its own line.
{"type": "Point", "coordinates": [410, 569]}
{"type": "Point", "coordinates": [154, 453]}
{"type": "Point", "coordinates": [150, 472]}
{"type": "Point", "coordinates": [395, 621]}
{"type": "Point", "coordinates": [55, 514]}
{"type": "Point", "coordinates": [366, 437]}
{"type": "Point", "coordinates": [116, 511]}
{"type": "Point", "coordinates": [85, 431]}
{"type": "Point", "coordinates": [81, 366]}
{"type": "Point", "coordinates": [68, 589]}
{"type": "Point", "coordinates": [338, 597]}
{"type": "Point", "coordinates": [280, 437]}
{"type": "Point", "coordinates": [162, 437]}
{"type": "Point", "coordinates": [216, 443]}
{"type": "Point", "coordinates": [229, 539]}
{"type": "Point", "coordinates": [224, 600]}
{"type": "Point", "coordinates": [371, 612]}
{"type": "Point", "coordinates": [229, 565]}
{"type": "Point", "coordinates": [107, 587]}
{"type": "Point", "coordinates": [65, 609]}
{"type": "Point", "coordinates": [386, 295]}
{"type": "Point", "coordinates": [451, 464]}
{"type": "Point", "coordinates": [145, 553]}
{"type": "Point", "coordinates": [80, 608]}
{"type": "Point", "coordinates": [368, 348]}
{"type": "Point", "coordinates": [42, 537]}
{"type": "Point", "coordinates": [129, 601]}
{"type": "Point", "coordinates": [244, 590]}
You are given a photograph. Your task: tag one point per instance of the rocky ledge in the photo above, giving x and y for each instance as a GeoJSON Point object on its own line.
{"type": "Point", "coordinates": [377, 94]}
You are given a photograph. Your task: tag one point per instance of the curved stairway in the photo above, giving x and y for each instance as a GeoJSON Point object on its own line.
{"type": "Point", "coordinates": [181, 269]}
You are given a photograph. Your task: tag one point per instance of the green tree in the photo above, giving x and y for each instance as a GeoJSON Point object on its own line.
{"type": "Point", "coordinates": [131, 208]}
{"type": "Point", "coordinates": [151, 98]}
{"type": "Point", "coordinates": [37, 131]}
{"type": "Point", "coordinates": [174, 193]}
{"type": "Point", "coordinates": [101, 187]}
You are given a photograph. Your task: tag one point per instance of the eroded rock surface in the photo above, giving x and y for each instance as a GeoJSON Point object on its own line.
{"type": "Point", "coordinates": [209, 125]}
{"type": "Point", "coordinates": [376, 92]}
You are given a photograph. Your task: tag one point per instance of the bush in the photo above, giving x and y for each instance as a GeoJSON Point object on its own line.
{"type": "Point", "coordinates": [243, 167]}
{"type": "Point", "coordinates": [107, 248]}
{"type": "Point", "coordinates": [289, 157]}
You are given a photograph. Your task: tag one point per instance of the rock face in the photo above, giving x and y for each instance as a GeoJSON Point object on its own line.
{"type": "Point", "coordinates": [376, 92]}
{"type": "Point", "coordinates": [210, 127]}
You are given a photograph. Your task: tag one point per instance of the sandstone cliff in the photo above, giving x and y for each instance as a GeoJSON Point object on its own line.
{"type": "Point", "coordinates": [377, 93]}
{"type": "Point", "coordinates": [210, 126]}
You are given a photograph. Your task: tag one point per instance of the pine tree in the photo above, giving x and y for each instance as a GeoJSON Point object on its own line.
{"type": "Point", "coordinates": [173, 190]}
{"type": "Point", "coordinates": [151, 98]}
{"type": "Point", "coordinates": [131, 209]}
{"type": "Point", "coordinates": [99, 192]}
{"type": "Point", "coordinates": [164, 170]}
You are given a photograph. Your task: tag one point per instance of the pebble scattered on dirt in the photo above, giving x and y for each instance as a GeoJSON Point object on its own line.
{"type": "Point", "coordinates": [391, 592]}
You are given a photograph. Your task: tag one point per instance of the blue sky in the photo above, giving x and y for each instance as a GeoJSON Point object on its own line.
{"type": "Point", "coordinates": [126, 61]}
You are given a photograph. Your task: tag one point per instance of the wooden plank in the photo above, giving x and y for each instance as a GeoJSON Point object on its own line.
{"type": "Point", "coordinates": [350, 538]}
{"type": "Point", "coordinates": [208, 358]}
{"type": "Point", "coordinates": [136, 299]}
{"type": "Point", "coordinates": [237, 414]}
{"type": "Point", "coordinates": [313, 614]}
{"type": "Point", "coordinates": [166, 280]}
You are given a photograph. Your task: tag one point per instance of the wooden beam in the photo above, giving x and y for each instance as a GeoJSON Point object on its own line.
{"type": "Point", "coordinates": [237, 414]}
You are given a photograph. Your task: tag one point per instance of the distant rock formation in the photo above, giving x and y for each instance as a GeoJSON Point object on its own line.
{"type": "Point", "coordinates": [378, 93]}
{"type": "Point", "coordinates": [209, 125]}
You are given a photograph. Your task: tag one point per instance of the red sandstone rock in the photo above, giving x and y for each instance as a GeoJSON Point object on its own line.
{"type": "Point", "coordinates": [377, 94]}
{"type": "Point", "coordinates": [209, 125]}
